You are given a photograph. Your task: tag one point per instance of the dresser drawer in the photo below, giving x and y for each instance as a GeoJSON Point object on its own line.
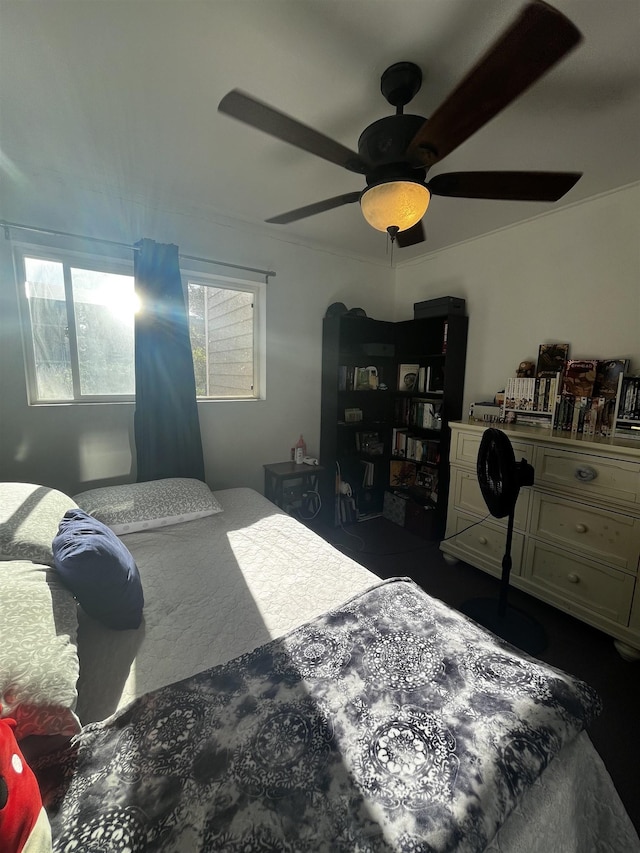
{"type": "Point", "coordinates": [579, 585]}
{"type": "Point", "coordinates": [588, 476]}
{"type": "Point", "coordinates": [483, 544]}
{"type": "Point", "coordinates": [467, 496]}
{"type": "Point", "coordinates": [465, 448]}
{"type": "Point", "coordinates": [589, 531]}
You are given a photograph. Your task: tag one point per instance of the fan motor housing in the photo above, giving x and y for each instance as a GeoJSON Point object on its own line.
{"type": "Point", "coordinates": [386, 140]}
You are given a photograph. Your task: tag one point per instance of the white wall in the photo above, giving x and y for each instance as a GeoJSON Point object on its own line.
{"type": "Point", "coordinates": [572, 275]}
{"type": "Point", "coordinates": [75, 447]}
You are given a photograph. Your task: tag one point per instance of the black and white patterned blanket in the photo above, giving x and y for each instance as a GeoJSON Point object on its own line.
{"type": "Point", "coordinates": [392, 723]}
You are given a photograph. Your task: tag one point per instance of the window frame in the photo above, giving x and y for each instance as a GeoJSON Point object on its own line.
{"type": "Point", "coordinates": [107, 263]}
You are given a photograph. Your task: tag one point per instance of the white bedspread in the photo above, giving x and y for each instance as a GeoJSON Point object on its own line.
{"type": "Point", "coordinates": [214, 588]}
{"type": "Point", "coordinates": [223, 585]}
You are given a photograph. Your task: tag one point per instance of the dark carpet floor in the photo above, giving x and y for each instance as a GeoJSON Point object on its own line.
{"type": "Point", "coordinates": [388, 550]}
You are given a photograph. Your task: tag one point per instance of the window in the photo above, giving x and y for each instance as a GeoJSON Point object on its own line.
{"type": "Point", "coordinates": [79, 329]}
{"type": "Point", "coordinates": [223, 324]}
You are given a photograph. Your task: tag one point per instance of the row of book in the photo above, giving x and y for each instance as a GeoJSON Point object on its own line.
{"type": "Point", "coordinates": [577, 378]}
{"type": "Point", "coordinates": [589, 416]}
{"type": "Point", "coordinates": [412, 411]}
{"type": "Point", "coordinates": [587, 377]}
{"type": "Point", "coordinates": [367, 470]}
{"type": "Point", "coordinates": [629, 406]}
{"type": "Point", "coordinates": [357, 378]}
{"type": "Point", "coordinates": [531, 394]}
{"type": "Point", "coordinates": [416, 379]}
{"type": "Point", "coordinates": [412, 378]}
{"type": "Point", "coordinates": [414, 447]}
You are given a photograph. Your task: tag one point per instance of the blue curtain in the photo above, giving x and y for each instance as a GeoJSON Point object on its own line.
{"type": "Point", "coordinates": [166, 426]}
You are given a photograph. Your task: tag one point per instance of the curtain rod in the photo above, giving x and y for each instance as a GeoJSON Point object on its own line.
{"type": "Point", "coordinates": [8, 225]}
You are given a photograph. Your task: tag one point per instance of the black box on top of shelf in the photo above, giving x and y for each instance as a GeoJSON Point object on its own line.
{"type": "Point", "coordinates": [440, 307]}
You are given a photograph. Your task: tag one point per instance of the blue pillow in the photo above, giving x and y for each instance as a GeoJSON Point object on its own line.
{"type": "Point", "coordinates": [99, 570]}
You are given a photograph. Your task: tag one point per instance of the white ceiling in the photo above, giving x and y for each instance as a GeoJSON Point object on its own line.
{"type": "Point", "coordinates": [121, 97]}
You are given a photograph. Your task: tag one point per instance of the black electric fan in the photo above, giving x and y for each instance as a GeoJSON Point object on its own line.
{"type": "Point", "coordinates": [500, 478]}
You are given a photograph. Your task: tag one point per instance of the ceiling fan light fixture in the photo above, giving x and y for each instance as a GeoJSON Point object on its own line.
{"type": "Point", "coordinates": [394, 204]}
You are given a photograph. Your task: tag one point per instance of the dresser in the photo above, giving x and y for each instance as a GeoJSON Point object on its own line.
{"type": "Point", "coordinates": [576, 535]}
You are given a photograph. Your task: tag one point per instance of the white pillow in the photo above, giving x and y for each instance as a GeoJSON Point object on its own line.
{"type": "Point", "coordinates": [29, 519]}
{"type": "Point", "coordinates": [144, 506]}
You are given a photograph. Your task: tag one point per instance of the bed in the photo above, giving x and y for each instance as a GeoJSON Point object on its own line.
{"type": "Point", "coordinates": [276, 695]}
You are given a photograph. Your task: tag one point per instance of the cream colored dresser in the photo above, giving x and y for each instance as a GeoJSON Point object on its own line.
{"type": "Point", "coordinates": [576, 539]}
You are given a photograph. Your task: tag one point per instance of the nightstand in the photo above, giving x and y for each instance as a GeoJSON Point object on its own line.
{"type": "Point", "coordinates": [288, 485]}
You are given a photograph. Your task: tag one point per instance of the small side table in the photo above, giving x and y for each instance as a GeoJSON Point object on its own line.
{"type": "Point", "coordinates": [287, 485]}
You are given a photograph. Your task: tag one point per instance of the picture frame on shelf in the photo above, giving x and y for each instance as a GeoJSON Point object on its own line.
{"type": "Point", "coordinates": [366, 378]}
{"type": "Point", "coordinates": [408, 377]}
{"type": "Point", "coordinates": [402, 474]}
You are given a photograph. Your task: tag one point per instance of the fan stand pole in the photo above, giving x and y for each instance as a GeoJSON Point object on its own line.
{"type": "Point", "coordinates": [508, 622]}
{"type": "Point", "coordinates": [506, 569]}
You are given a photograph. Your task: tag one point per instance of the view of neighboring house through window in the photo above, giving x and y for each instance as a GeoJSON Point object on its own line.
{"type": "Point", "coordinates": [79, 330]}
{"type": "Point", "coordinates": [221, 324]}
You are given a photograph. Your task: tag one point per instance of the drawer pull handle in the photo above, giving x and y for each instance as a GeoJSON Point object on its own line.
{"type": "Point", "coordinates": [482, 540]}
{"type": "Point", "coordinates": [581, 528]}
{"type": "Point", "coordinates": [573, 578]}
{"type": "Point", "coordinates": [585, 474]}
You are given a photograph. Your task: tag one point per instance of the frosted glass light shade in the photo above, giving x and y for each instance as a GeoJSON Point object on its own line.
{"type": "Point", "coordinates": [395, 204]}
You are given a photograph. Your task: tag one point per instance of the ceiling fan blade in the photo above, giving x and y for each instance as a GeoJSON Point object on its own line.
{"type": "Point", "coordinates": [516, 186]}
{"type": "Point", "coordinates": [538, 38]}
{"type": "Point", "coordinates": [249, 110]}
{"type": "Point", "coordinates": [411, 236]}
{"type": "Point", "coordinates": [318, 207]}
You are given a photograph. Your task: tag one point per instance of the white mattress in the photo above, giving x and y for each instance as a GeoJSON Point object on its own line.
{"type": "Point", "coordinates": [222, 585]}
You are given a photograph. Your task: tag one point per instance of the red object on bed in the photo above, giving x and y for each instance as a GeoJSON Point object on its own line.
{"type": "Point", "coordinates": [22, 817]}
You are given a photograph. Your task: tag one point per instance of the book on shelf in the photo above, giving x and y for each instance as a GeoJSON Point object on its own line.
{"type": "Point", "coordinates": [402, 410]}
{"type": "Point", "coordinates": [424, 377]}
{"type": "Point", "coordinates": [408, 377]}
{"type": "Point", "coordinates": [629, 405]}
{"type": "Point", "coordinates": [608, 373]}
{"type": "Point", "coordinates": [368, 473]}
{"type": "Point", "coordinates": [529, 394]}
{"type": "Point", "coordinates": [589, 416]}
{"type": "Point", "coordinates": [352, 416]}
{"type": "Point", "coordinates": [435, 384]}
{"type": "Point", "coordinates": [419, 449]}
{"type": "Point", "coordinates": [579, 377]}
{"type": "Point", "coordinates": [426, 414]}
{"type": "Point", "coordinates": [631, 431]}
{"type": "Point", "coordinates": [551, 359]}
{"type": "Point", "coordinates": [399, 441]}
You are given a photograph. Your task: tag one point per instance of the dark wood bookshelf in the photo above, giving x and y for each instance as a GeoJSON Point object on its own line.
{"type": "Point", "coordinates": [351, 342]}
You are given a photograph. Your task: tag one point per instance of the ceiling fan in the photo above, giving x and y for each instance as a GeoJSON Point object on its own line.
{"type": "Point", "coordinates": [396, 152]}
